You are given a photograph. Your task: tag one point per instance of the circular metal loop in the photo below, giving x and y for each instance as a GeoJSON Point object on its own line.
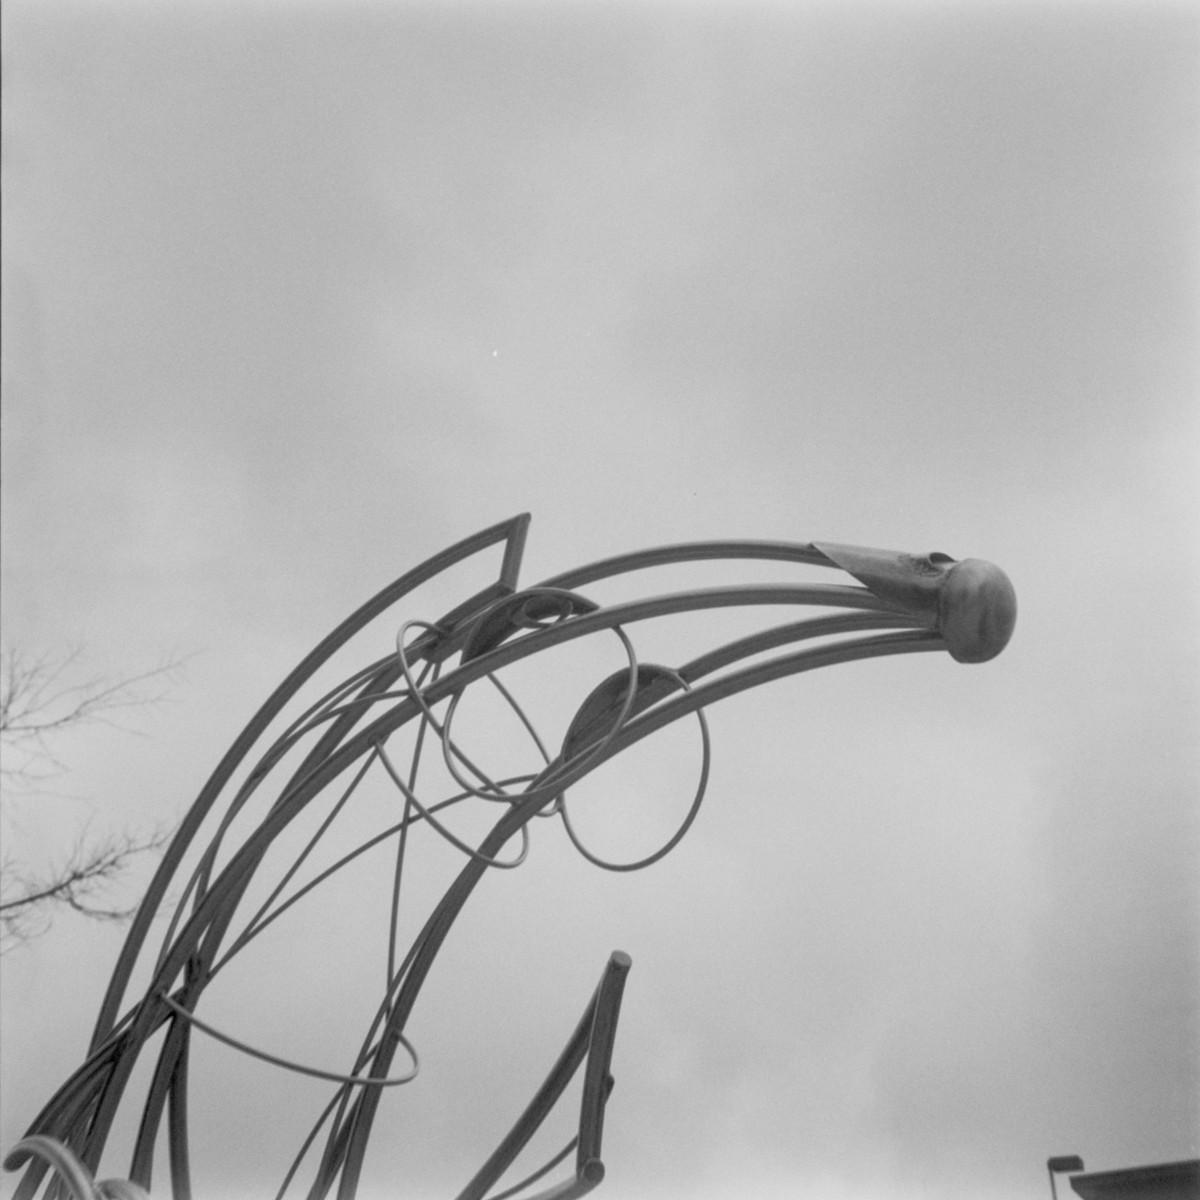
{"type": "Point", "coordinates": [448, 747]}
{"type": "Point", "coordinates": [693, 810]}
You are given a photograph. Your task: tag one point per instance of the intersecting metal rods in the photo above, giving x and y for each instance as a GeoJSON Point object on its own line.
{"type": "Point", "coordinates": [349, 728]}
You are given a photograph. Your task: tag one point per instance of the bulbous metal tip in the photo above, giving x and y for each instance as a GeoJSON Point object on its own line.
{"type": "Point", "coordinates": [977, 609]}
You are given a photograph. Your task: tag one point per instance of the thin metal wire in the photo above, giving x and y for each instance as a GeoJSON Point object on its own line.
{"type": "Point", "coordinates": [250, 930]}
{"type": "Point", "coordinates": [411, 798]}
{"type": "Point", "coordinates": [427, 711]}
{"type": "Point", "coordinates": [334, 1154]}
{"type": "Point", "coordinates": [330, 705]}
{"type": "Point", "coordinates": [277, 749]}
{"type": "Point", "coordinates": [294, 733]}
{"type": "Point", "coordinates": [551, 809]}
{"type": "Point", "coordinates": [398, 869]}
{"type": "Point", "coordinates": [342, 862]}
{"type": "Point", "coordinates": [309, 1139]}
{"type": "Point", "coordinates": [288, 1064]}
{"type": "Point", "coordinates": [493, 792]}
{"type": "Point", "coordinates": [402, 841]}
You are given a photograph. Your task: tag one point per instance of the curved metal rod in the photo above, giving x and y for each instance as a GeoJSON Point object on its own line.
{"type": "Point", "coordinates": [685, 552]}
{"type": "Point", "coordinates": [249, 933]}
{"type": "Point", "coordinates": [311, 1137]}
{"type": "Point", "coordinates": [758, 674]}
{"type": "Point", "coordinates": [198, 882]}
{"type": "Point", "coordinates": [168, 1084]}
{"type": "Point", "coordinates": [288, 1064]}
{"type": "Point", "coordinates": [50, 1152]}
{"type": "Point", "coordinates": [542, 1171]}
{"type": "Point", "coordinates": [257, 921]}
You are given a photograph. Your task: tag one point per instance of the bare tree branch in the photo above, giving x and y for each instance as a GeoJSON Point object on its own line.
{"type": "Point", "coordinates": [37, 703]}
{"type": "Point", "coordinates": [79, 883]}
{"type": "Point", "coordinates": [38, 706]}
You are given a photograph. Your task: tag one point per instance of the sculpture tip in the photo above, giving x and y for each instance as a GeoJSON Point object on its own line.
{"type": "Point", "coordinates": [977, 610]}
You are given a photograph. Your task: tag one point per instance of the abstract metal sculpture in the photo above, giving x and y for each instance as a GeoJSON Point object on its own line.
{"type": "Point", "coordinates": [901, 604]}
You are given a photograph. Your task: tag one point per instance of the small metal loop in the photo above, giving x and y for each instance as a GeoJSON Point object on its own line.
{"type": "Point", "coordinates": [442, 729]}
{"type": "Point", "coordinates": [693, 810]}
{"type": "Point", "coordinates": [416, 692]}
{"type": "Point", "coordinates": [406, 668]}
{"type": "Point", "coordinates": [299, 1068]}
{"type": "Point", "coordinates": [450, 751]}
{"type": "Point", "coordinates": [541, 609]}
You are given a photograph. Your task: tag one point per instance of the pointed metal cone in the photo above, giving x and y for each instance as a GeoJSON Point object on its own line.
{"type": "Point", "coordinates": [910, 581]}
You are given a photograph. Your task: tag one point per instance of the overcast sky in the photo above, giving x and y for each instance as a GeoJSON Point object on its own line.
{"type": "Point", "coordinates": [295, 295]}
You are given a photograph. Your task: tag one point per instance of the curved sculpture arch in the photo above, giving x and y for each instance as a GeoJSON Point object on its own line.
{"type": "Point", "coordinates": [897, 604]}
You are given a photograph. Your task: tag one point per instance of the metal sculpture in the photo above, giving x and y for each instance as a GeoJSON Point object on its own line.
{"type": "Point", "coordinates": [899, 604]}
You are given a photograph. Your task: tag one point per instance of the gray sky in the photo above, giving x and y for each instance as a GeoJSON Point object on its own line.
{"type": "Point", "coordinates": [295, 295]}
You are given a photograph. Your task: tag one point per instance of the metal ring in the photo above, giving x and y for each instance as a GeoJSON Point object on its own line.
{"type": "Point", "coordinates": [693, 810]}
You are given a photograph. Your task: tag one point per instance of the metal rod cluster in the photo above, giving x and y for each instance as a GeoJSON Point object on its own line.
{"type": "Point", "coordinates": [350, 733]}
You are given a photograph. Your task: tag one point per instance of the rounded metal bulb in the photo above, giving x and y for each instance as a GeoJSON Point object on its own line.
{"type": "Point", "coordinates": [977, 609]}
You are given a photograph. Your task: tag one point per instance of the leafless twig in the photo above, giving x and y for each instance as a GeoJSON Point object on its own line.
{"type": "Point", "coordinates": [38, 706]}
{"type": "Point", "coordinates": [27, 901]}
{"type": "Point", "coordinates": [37, 703]}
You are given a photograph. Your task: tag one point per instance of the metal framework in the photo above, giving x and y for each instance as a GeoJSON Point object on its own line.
{"type": "Point", "coordinates": [897, 604]}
